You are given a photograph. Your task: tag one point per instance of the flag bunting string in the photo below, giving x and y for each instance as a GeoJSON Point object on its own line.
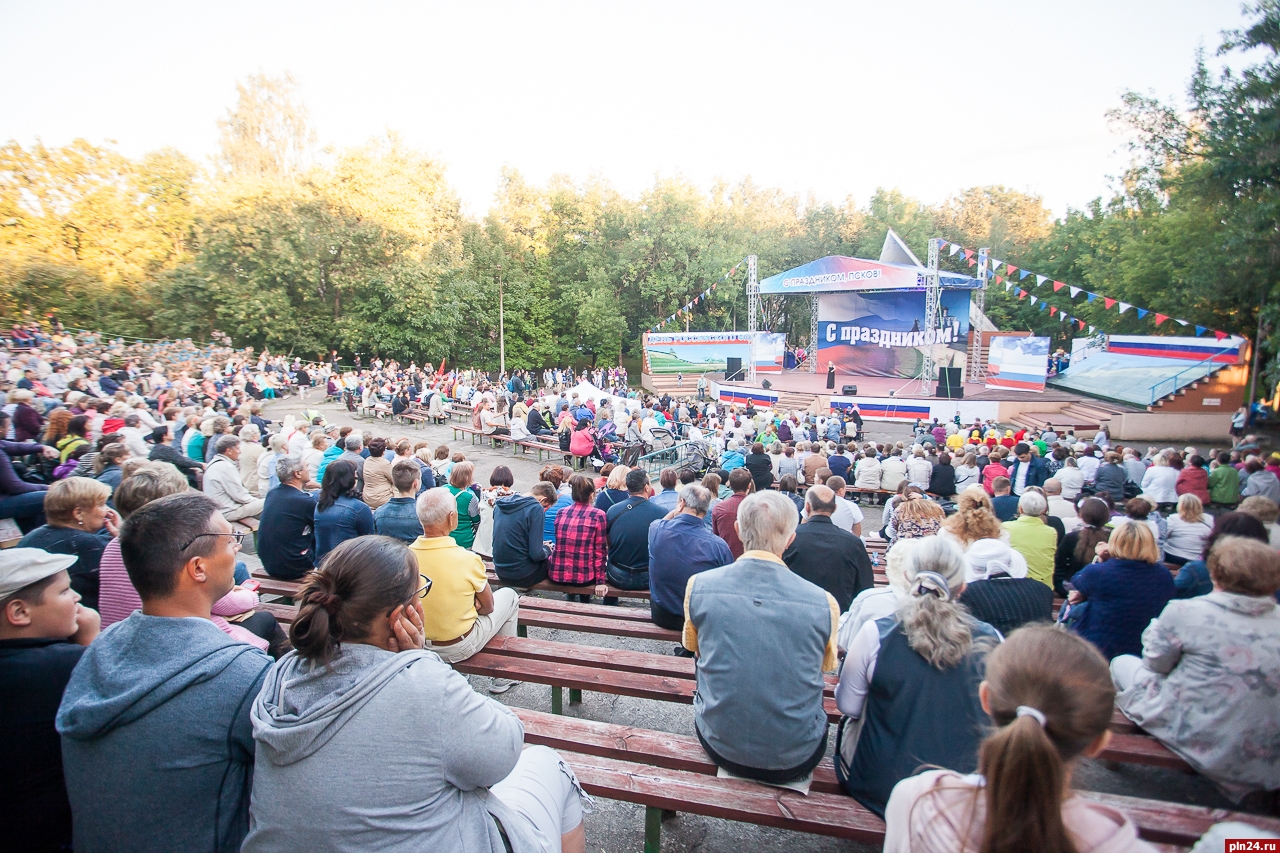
{"type": "Point", "coordinates": [1007, 281]}
{"type": "Point", "coordinates": [704, 295]}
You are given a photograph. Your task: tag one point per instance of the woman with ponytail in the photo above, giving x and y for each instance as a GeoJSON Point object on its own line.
{"type": "Point", "coordinates": [909, 686]}
{"type": "Point", "coordinates": [366, 741]}
{"type": "Point", "coordinates": [1050, 697]}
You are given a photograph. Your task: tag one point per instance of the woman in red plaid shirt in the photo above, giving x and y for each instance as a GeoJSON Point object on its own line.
{"type": "Point", "coordinates": [581, 545]}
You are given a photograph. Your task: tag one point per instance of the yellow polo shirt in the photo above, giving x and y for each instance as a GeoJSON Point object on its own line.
{"type": "Point", "coordinates": [449, 609]}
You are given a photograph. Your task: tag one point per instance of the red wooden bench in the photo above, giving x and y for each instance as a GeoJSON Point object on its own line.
{"type": "Point", "coordinates": [664, 771]}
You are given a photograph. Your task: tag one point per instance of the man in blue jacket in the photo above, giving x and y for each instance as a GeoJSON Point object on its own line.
{"type": "Point", "coordinates": [1028, 470]}
{"type": "Point", "coordinates": [157, 743]}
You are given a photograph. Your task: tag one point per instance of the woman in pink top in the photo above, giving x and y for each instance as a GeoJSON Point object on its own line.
{"type": "Point", "coordinates": [117, 598]}
{"type": "Point", "coordinates": [1050, 695]}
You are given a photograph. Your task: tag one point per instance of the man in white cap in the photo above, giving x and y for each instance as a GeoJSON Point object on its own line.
{"type": "Point", "coordinates": [43, 632]}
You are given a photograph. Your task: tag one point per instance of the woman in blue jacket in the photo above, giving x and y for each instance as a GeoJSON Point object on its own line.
{"type": "Point", "coordinates": [340, 514]}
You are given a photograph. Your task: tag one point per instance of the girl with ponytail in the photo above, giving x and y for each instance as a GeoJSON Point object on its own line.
{"type": "Point", "coordinates": [909, 686]}
{"type": "Point", "coordinates": [1050, 697]}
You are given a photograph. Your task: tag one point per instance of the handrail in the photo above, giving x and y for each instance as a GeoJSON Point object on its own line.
{"type": "Point", "coordinates": [1173, 380]}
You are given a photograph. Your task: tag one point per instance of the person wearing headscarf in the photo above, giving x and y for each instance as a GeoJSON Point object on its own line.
{"type": "Point", "coordinates": [997, 589]}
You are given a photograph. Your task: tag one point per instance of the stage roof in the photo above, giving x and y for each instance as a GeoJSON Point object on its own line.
{"type": "Point", "coordinates": [836, 273]}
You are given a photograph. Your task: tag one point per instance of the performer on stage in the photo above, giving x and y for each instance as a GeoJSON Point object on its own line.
{"type": "Point", "coordinates": [831, 375]}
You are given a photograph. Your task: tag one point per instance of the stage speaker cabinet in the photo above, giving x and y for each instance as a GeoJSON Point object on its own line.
{"type": "Point", "coordinates": [848, 390]}
{"type": "Point", "coordinates": [950, 385]}
{"type": "Point", "coordinates": [733, 371]}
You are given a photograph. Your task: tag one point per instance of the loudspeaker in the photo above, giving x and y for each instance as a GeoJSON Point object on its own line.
{"type": "Point", "coordinates": [848, 390]}
{"type": "Point", "coordinates": [766, 385]}
{"type": "Point", "coordinates": [949, 383]}
{"type": "Point", "coordinates": [733, 370]}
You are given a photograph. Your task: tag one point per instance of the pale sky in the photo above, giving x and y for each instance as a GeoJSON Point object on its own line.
{"type": "Point", "coordinates": [833, 99]}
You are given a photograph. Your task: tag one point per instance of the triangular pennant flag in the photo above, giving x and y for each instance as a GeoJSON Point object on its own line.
{"type": "Point", "coordinates": [1021, 293]}
{"type": "Point", "coordinates": [1021, 275]}
{"type": "Point", "coordinates": [1075, 291]}
{"type": "Point", "coordinates": [1041, 279]}
{"type": "Point", "coordinates": [1011, 269]}
{"type": "Point", "coordinates": [1200, 330]}
{"type": "Point", "coordinates": [968, 253]}
{"type": "Point", "coordinates": [1007, 284]}
{"type": "Point", "coordinates": [1109, 303]}
{"type": "Point", "coordinates": [954, 248]}
{"type": "Point", "coordinates": [1125, 306]}
{"type": "Point", "coordinates": [1160, 318]}
{"type": "Point", "coordinates": [1033, 300]}
{"type": "Point", "coordinates": [999, 279]}
{"type": "Point", "coordinates": [1092, 329]}
{"type": "Point", "coordinates": [1081, 322]}
{"type": "Point", "coordinates": [1219, 335]}
{"type": "Point", "coordinates": [1091, 296]}
{"type": "Point", "coordinates": [995, 263]}
{"type": "Point", "coordinates": [1057, 285]}
{"type": "Point", "coordinates": [971, 260]}
{"type": "Point", "coordinates": [1052, 310]}
{"type": "Point", "coordinates": [1180, 322]}
{"type": "Point", "coordinates": [1142, 312]}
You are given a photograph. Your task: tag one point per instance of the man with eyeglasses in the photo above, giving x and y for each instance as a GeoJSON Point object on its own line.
{"type": "Point", "coordinates": [463, 613]}
{"type": "Point", "coordinates": [157, 743]}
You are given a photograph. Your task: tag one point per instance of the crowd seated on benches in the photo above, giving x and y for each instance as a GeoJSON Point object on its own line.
{"type": "Point", "coordinates": [766, 593]}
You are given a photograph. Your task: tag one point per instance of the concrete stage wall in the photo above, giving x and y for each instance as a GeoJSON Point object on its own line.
{"type": "Point", "coordinates": [1154, 426]}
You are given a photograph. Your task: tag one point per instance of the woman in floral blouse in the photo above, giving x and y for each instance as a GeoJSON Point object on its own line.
{"type": "Point", "coordinates": [1207, 681]}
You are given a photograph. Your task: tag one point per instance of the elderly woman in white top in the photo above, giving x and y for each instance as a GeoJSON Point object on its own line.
{"type": "Point", "coordinates": [881, 601]}
{"type": "Point", "coordinates": [1160, 481]}
{"type": "Point", "coordinates": [1207, 681]}
{"type": "Point", "coordinates": [1071, 478]}
{"type": "Point", "coordinates": [1186, 531]}
{"type": "Point", "coordinates": [967, 472]}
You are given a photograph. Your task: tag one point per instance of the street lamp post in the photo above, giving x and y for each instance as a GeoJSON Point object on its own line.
{"type": "Point", "coordinates": [502, 332]}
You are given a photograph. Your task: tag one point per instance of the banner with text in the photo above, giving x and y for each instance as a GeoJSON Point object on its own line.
{"type": "Point", "coordinates": [910, 409]}
{"type": "Point", "coordinates": [838, 273]}
{"type": "Point", "coordinates": [882, 334]}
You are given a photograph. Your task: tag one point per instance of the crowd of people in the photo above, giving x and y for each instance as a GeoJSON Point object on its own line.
{"type": "Point", "coordinates": [1035, 582]}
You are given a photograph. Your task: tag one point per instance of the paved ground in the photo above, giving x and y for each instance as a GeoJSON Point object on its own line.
{"type": "Point", "coordinates": [617, 827]}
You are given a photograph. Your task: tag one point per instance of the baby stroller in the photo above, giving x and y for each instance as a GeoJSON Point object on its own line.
{"type": "Point", "coordinates": [701, 458]}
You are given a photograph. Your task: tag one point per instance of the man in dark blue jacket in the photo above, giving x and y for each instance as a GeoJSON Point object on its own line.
{"type": "Point", "coordinates": [286, 544]}
{"type": "Point", "coordinates": [627, 527]}
{"type": "Point", "coordinates": [1028, 470]}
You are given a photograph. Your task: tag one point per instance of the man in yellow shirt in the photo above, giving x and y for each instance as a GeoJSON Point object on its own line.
{"type": "Point", "coordinates": [462, 613]}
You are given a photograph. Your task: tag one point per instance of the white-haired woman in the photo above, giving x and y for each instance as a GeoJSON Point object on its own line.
{"type": "Point", "coordinates": [251, 450]}
{"type": "Point", "coordinates": [267, 478]}
{"type": "Point", "coordinates": [909, 686]}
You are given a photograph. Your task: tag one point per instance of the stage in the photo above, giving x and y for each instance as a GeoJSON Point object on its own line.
{"type": "Point", "coordinates": [897, 399]}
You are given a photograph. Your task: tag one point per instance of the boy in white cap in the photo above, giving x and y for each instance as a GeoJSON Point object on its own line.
{"type": "Point", "coordinates": [43, 632]}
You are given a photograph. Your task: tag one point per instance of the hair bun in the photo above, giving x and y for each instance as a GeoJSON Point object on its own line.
{"type": "Point", "coordinates": [328, 600]}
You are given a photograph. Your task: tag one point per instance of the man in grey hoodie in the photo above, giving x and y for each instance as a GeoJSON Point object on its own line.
{"type": "Point", "coordinates": [157, 744]}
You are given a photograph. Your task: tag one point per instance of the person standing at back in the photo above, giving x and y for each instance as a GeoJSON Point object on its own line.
{"type": "Point", "coordinates": [763, 637]}
{"type": "Point", "coordinates": [156, 741]}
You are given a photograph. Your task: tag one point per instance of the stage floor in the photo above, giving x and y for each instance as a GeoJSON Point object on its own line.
{"type": "Point", "coordinates": [790, 381]}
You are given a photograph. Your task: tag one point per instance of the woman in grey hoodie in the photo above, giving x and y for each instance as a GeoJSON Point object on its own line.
{"type": "Point", "coordinates": [365, 741]}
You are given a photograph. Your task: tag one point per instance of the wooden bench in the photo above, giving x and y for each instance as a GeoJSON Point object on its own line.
{"type": "Point", "coordinates": [664, 771]}
{"type": "Point", "coordinates": [659, 676]}
{"type": "Point", "coordinates": [855, 494]}
{"type": "Point", "coordinates": [551, 448]}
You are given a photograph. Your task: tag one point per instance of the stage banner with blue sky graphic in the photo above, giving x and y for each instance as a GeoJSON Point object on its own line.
{"type": "Point", "coordinates": [693, 353]}
{"type": "Point", "coordinates": [882, 334]}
